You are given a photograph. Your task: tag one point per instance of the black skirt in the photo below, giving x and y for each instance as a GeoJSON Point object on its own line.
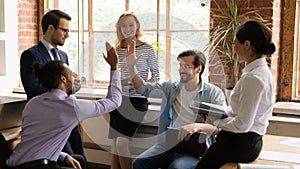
{"type": "Point", "coordinates": [125, 120]}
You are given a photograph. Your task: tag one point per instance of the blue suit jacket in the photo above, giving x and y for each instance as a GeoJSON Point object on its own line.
{"type": "Point", "coordinates": [37, 53]}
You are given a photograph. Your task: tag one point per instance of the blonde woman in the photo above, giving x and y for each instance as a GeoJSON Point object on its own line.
{"type": "Point", "coordinates": [125, 120]}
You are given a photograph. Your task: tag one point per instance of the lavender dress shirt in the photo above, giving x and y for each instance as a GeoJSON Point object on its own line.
{"type": "Point", "coordinates": [48, 120]}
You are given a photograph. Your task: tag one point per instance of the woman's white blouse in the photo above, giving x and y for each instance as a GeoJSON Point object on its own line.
{"type": "Point", "coordinates": [251, 100]}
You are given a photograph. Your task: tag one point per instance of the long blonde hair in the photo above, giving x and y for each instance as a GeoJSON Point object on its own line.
{"type": "Point", "coordinates": [120, 37]}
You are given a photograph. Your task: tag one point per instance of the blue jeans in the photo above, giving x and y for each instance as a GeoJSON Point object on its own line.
{"type": "Point", "coordinates": [185, 161]}
{"type": "Point", "coordinates": [158, 157]}
{"type": "Point", "coordinates": [165, 160]}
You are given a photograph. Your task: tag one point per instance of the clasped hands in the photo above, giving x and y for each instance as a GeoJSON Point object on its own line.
{"type": "Point", "coordinates": [188, 130]}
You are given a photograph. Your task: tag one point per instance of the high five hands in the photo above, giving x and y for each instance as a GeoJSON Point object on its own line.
{"type": "Point", "coordinates": [131, 59]}
{"type": "Point", "coordinates": [112, 57]}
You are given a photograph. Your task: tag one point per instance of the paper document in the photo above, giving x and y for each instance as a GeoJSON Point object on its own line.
{"type": "Point", "coordinates": [209, 109]}
{"type": "Point", "coordinates": [261, 166]}
{"type": "Point", "coordinates": [280, 156]}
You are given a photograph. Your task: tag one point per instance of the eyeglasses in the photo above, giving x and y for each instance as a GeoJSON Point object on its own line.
{"type": "Point", "coordinates": [186, 66]}
{"type": "Point", "coordinates": [66, 31]}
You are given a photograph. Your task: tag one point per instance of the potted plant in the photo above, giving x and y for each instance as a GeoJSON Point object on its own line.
{"type": "Point", "coordinates": [226, 19]}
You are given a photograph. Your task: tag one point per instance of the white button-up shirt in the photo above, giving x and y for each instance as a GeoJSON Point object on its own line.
{"type": "Point", "coordinates": [251, 100]}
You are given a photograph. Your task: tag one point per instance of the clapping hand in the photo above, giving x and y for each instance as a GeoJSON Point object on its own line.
{"type": "Point", "coordinates": [76, 84]}
{"type": "Point", "coordinates": [112, 57]}
{"type": "Point", "coordinates": [131, 59]}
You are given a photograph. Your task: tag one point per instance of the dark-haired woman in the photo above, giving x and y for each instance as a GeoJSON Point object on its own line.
{"type": "Point", "coordinates": [251, 101]}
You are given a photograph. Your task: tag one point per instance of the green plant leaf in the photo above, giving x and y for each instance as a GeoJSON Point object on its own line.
{"type": "Point", "coordinates": [227, 18]}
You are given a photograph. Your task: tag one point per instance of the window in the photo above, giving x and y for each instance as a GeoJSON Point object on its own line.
{"type": "Point", "coordinates": [8, 45]}
{"type": "Point", "coordinates": [175, 25]}
{"type": "Point", "coordinates": [2, 19]}
{"type": "Point", "coordinates": [2, 41]}
{"type": "Point", "coordinates": [296, 62]}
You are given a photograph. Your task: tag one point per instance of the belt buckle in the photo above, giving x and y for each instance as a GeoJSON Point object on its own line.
{"type": "Point", "coordinates": [45, 161]}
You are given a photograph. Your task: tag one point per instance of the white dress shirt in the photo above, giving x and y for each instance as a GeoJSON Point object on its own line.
{"type": "Point", "coordinates": [49, 47]}
{"type": "Point", "coordinates": [251, 100]}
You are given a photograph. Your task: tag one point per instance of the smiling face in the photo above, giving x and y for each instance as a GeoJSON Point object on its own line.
{"type": "Point", "coordinates": [187, 70]}
{"type": "Point", "coordinates": [128, 27]}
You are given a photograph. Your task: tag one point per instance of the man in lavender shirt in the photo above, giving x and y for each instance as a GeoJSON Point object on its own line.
{"type": "Point", "coordinates": [49, 118]}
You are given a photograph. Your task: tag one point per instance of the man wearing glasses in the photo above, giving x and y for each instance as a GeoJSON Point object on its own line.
{"type": "Point", "coordinates": [177, 97]}
{"type": "Point", "coordinates": [55, 26]}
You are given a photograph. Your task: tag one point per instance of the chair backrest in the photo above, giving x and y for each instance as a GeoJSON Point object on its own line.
{"type": "Point", "coordinates": [4, 151]}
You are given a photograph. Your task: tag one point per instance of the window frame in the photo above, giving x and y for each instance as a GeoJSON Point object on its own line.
{"type": "Point", "coordinates": [285, 64]}
{"type": "Point", "coordinates": [9, 47]}
{"type": "Point", "coordinates": [168, 32]}
{"type": "Point", "coordinates": [296, 56]}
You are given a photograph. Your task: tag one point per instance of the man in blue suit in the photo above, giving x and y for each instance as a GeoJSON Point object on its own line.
{"type": "Point", "coordinates": [55, 26]}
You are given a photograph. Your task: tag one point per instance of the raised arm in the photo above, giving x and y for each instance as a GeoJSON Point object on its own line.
{"type": "Point", "coordinates": [88, 108]}
{"type": "Point", "coordinates": [131, 61]}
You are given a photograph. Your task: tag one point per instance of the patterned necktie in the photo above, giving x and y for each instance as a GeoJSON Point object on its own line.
{"type": "Point", "coordinates": [55, 53]}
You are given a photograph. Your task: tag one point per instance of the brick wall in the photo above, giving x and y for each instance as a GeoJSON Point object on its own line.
{"type": "Point", "coordinates": [27, 24]}
{"type": "Point", "coordinates": [267, 9]}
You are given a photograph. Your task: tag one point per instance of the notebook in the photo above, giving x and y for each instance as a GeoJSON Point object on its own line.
{"type": "Point", "coordinates": [209, 109]}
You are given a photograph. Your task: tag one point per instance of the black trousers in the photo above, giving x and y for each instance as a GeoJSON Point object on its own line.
{"type": "Point", "coordinates": [4, 151]}
{"type": "Point", "coordinates": [231, 148]}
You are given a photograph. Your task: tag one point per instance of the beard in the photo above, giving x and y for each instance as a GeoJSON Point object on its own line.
{"type": "Point", "coordinates": [185, 77]}
{"type": "Point", "coordinates": [69, 87]}
{"type": "Point", "coordinates": [58, 42]}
